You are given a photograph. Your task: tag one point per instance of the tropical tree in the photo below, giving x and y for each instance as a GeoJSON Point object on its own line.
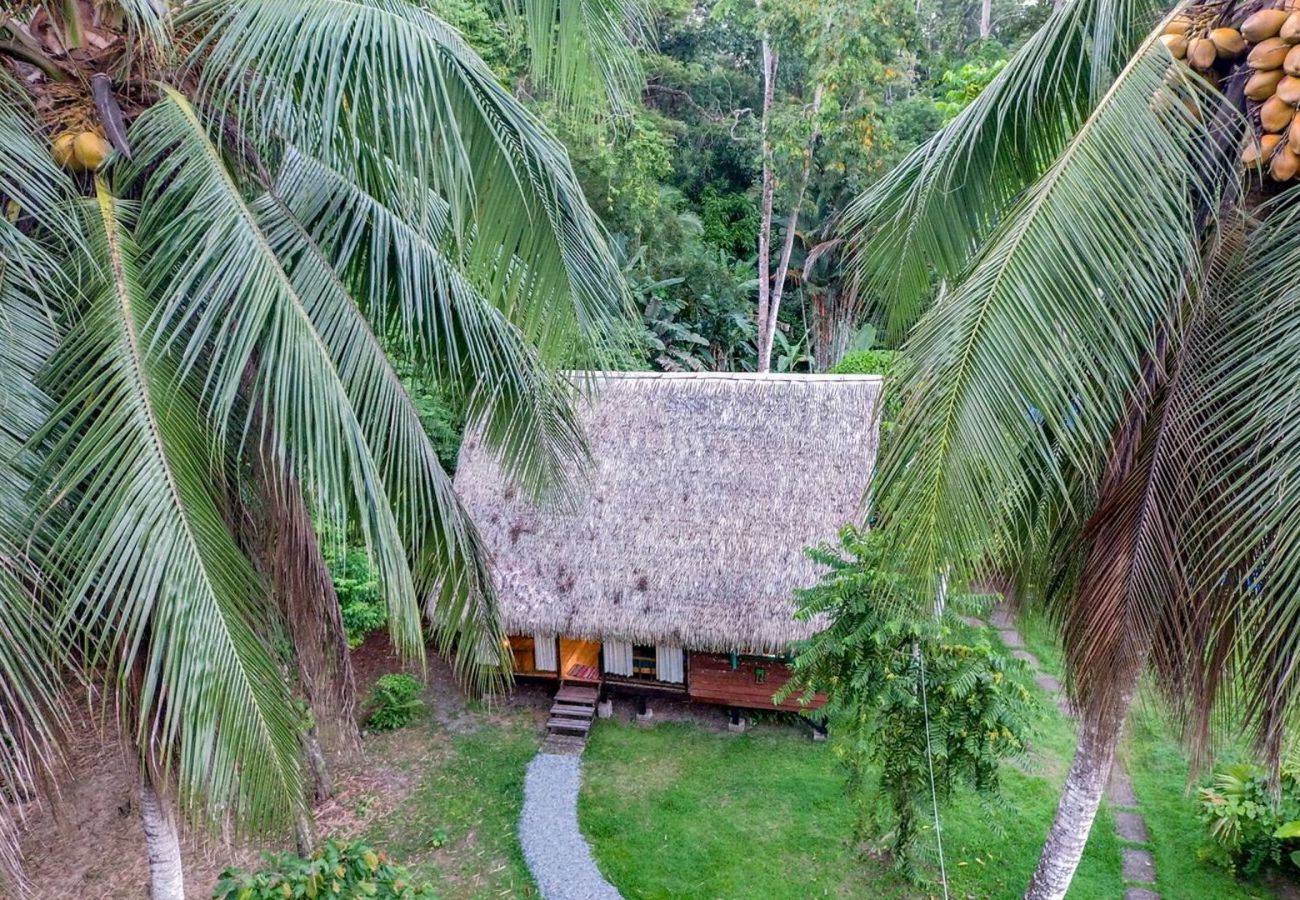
{"type": "Point", "coordinates": [1098, 380]}
{"type": "Point", "coordinates": [218, 216]}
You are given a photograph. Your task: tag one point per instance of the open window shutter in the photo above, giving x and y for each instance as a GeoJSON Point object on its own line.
{"type": "Point", "coordinates": [618, 658]}
{"type": "Point", "coordinates": [544, 653]}
{"type": "Point", "coordinates": [668, 663]}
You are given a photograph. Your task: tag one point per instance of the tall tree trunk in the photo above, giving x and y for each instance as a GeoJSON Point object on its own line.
{"type": "Point", "coordinates": [1108, 632]}
{"type": "Point", "coordinates": [769, 60]}
{"type": "Point", "coordinates": [1099, 736]}
{"type": "Point", "coordinates": [300, 579]}
{"type": "Point", "coordinates": [322, 788]}
{"type": "Point", "coordinates": [986, 19]}
{"type": "Point", "coordinates": [791, 226]}
{"type": "Point", "coordinates": [166, 879]}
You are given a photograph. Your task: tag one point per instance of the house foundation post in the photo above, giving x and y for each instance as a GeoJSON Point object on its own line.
{"type": "Point", "coordinates": [643, 711]}
{"type": "Point", "coordinates": [737, 721]}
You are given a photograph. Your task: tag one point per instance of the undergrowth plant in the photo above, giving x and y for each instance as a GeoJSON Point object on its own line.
{"type": "Point", "coordinates": [1251, 827]}
{"type": "Point", "coordinates": [343, 869]}
{"type": "Point", "coordinates": [393, 702]}
{"type": "Point", "coordinates": [909, 692]}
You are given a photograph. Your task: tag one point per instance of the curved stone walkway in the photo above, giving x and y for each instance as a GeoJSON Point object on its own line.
{"type": "Point", "coordinates": [1139, 866]}
{"type": "Point", "coordinates": [555, 850]}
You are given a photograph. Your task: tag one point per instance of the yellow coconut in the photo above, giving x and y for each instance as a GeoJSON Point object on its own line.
{"type": "Point", "coordinates": [1289, 89]}
{"type": "Point", "coordinates": [1176, 44]}
{"type": "Point", "coordinates": [61, 150]}
{"type": "Point", "coordinates": [1290, 30]}
{"type": "Point", "coordinates": [1268, 54]}
{"type": "Point", "coordinates": [1284, 165]}
{"type": "Point", "coordinates": [1275, 114]}
{"type": "Point", "coordinates": [1256, 151]}
{"type": "Point", "coordinates": [91, 150]}
{"type": "Point", "coordinates": [1178, 25]}
{"type": "Point", "coordinates": [1201, 53]}
{"type": "Point", "coordinates": [1228, 42]}
{"type": "Point", "coordinates": [1261, 85]}
{"type": "Point", "coordinates": [1293, 135]}
{"type": "Point", "coordinates": [1263, 25]}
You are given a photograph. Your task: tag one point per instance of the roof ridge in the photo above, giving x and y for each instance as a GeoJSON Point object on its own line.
{"type": "Point", "coordinates": [610, 374]}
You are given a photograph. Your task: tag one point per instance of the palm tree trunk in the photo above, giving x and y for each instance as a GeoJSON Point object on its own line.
{"type": "Point", "coordinates": [166, 880]}
{"type": "Point", "coordinates": [323, 789]}
{"type": "Point", "coordinates": [1099, 735]}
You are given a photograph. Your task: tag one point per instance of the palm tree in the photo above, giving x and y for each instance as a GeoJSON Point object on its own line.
{"type": "Point", "coordinates": [1100, 307]}
{"type": "Point", "coordinates": [194, 363]}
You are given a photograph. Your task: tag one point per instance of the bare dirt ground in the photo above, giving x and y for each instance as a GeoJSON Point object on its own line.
{"type": "Point", "coordinates": [88, 843]}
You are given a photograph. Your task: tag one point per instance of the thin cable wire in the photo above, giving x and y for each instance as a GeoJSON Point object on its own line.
{"type": "Point", "coordinates": [934, 797]}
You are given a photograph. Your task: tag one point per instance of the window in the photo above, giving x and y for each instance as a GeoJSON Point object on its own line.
{"type": "Point", "coordinates": [643, 661]}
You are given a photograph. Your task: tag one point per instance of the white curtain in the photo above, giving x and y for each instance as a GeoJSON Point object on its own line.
{"type": "Point", "coordinates": [618, 658]}
{"type": "Point", "coordinates": [668, 663]}
{"type": "Point", "coordinates": [544, 653]}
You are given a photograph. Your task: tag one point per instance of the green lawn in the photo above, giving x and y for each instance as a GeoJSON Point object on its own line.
{"type": "Point", "coordinates": [684, 811]}
{"type": "Point", "coordinates": [467, 800]}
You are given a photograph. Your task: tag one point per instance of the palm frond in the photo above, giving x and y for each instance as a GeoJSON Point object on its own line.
{"type": "Point", "coordinates": [411, 289]}
{"type": "Point", "coordinates": [584, 51]}
{"type": "Point", "coordinates": [445, 556]}
{"type": "Point", "coordinates": [1031, 360]}
{"type": "Point", "coordinates": [251, 324]}
{"type": "Point", "coordinates": [157, 587]}
{"type": "Point", "coordinates": [328, 75]}
{"type": "Point", "coordinates": [925, 222]}
{"type": "Point", "coordinates": [1251, 532]}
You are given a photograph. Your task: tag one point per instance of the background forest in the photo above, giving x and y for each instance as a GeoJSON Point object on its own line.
{"type": "Point", "coordinates": [675, 170]}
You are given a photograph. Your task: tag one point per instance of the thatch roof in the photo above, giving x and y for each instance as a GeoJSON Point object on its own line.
{"type": "Point", "coordinates": [689, 527]}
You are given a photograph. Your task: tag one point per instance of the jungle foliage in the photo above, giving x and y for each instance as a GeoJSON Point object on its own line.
{"type": "Point", "coordinates": [675, 175]}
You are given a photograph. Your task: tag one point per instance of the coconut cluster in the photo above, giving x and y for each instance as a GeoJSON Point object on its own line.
{"type": "Point", "coordinates": [80, 151]}
{"type": "Point", "coordinates": [1270, 40]}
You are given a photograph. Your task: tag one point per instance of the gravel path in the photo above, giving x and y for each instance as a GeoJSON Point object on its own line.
{"type": "Point", "coordinates": [554, 848]}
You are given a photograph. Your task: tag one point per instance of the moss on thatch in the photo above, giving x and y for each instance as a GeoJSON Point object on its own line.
{"type": "Point", "coordinates": [690, 523]}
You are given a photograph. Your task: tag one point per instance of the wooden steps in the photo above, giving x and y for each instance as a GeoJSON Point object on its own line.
{"type": "Point", "coordinates": [571, 717]}
{"type": "Point", "coordinates": [579, 725]}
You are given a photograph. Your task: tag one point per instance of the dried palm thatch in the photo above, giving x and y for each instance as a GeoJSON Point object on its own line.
{"type": "Point", "coordinates": [688, 527]}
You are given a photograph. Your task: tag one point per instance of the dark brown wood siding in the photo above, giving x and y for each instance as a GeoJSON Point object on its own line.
{"type": "Point", "coordinates": [711, 679]}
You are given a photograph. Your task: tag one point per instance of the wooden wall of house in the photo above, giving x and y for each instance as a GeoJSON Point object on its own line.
{"type": "Point", "coordinates": [711, 679]}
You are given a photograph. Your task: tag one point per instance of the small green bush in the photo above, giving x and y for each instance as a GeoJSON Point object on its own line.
{"type": "Point", "coordinates": [1249, 827]}
{"type": "Point", "coordinates": [864, 362]}
{"type": "Point", "coordinates": [337, 869]}
{"type": "Point", "coordinates": [357, 585]}
{"type": "Point", "coordinates": [393, 702]}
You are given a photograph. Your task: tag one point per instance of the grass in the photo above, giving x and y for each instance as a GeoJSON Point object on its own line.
{"type": "Point", "coordinates": [457, 828]}
{"type": "Point", "coordinates": [1159, 770]}
{"type": "Point", "coordinates": [683, 811]}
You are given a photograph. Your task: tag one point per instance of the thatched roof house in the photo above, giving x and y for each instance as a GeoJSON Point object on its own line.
{"type": "Point", "coordinates": [690, 525]}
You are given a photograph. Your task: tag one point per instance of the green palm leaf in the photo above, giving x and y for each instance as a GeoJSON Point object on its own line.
{"type": "Point", "coordinates": [158, 588]}
{"type": "Point", "coordinates": [327, 76]}
{"type": "Point", "coordinates": [1029, 362]}
{"type": "Point", "coordinates": [925, 221]}
{"type": "Point", "coordinates": [254, 331]}
{"type": "Point", "coordinates": [581, 50]}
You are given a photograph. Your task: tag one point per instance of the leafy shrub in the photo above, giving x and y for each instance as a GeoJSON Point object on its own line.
{"type": "Point", "coordinates": [357, 587]}
{"type": "Point", "coordinates": [864, 362]}
{"type": "Point", "coordinates": [886, 664]}
{"type": "Point", "coordinates": [1249, 827]}
{"type": "Point", "coordinates": [337, 869]}
{"type": "Point", "coordinates": [393, 702]}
